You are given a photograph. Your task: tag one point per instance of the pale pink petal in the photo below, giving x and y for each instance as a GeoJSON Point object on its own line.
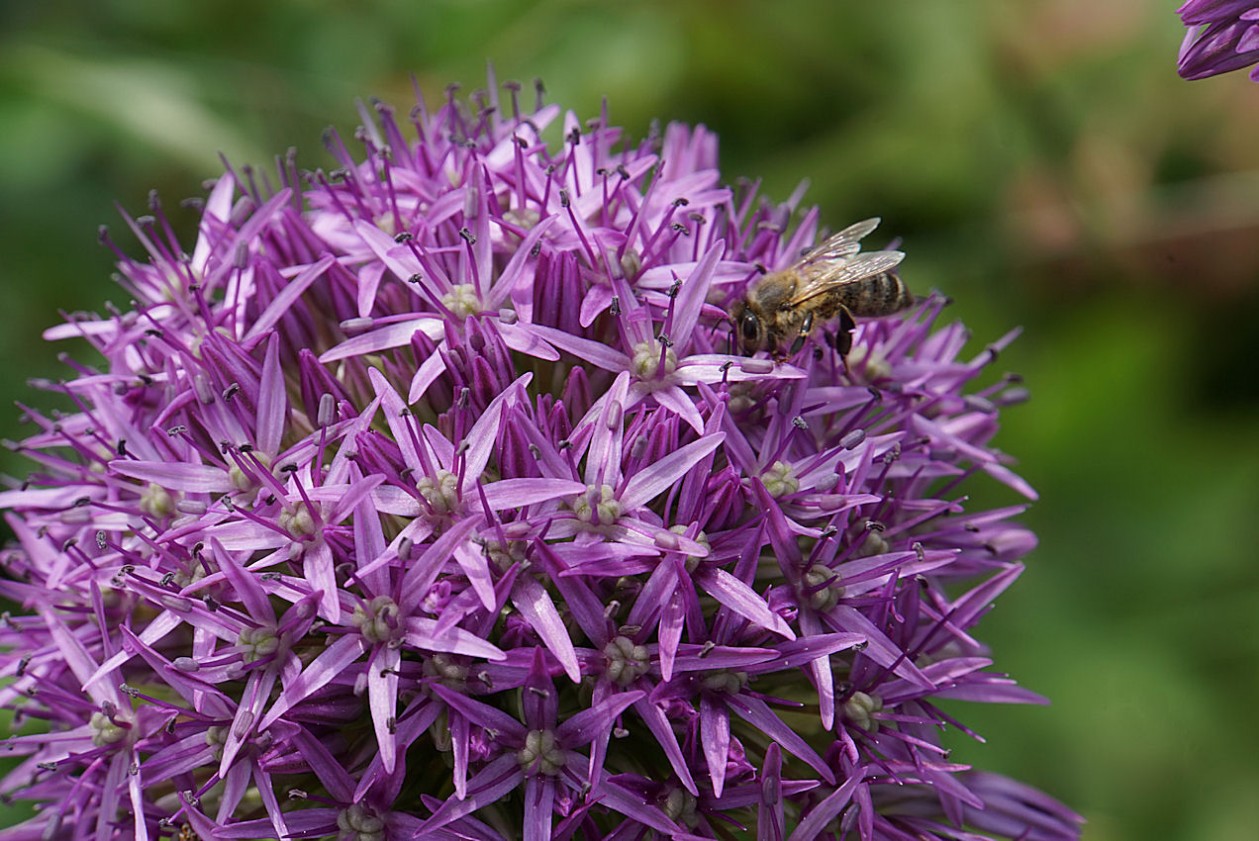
{"type": "Point", "coordinates": [391, 336]}
{"type": "Point", "coordinates": [272, 400]}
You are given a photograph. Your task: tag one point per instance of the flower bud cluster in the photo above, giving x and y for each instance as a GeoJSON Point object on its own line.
{"type": "Point", "coordinates": [424, 497]}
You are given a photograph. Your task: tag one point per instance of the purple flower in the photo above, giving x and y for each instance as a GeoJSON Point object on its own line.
{"type": "Point", "coordinates": [1223, 36]}
{"type": "Point", "coordinates": [424, 498]}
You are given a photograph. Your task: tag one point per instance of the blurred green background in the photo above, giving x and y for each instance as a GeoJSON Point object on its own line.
{"type": "Point", "coordinates": [1044, 165]}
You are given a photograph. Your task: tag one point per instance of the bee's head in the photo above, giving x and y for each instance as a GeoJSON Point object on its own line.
{"type": "Point", "coordinates": [749, 328]}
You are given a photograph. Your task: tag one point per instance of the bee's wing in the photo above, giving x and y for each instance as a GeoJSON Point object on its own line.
{"type": "Point", "coordinates": [822, 277]}
{"type": "Point", "coordinates": [843, 244]}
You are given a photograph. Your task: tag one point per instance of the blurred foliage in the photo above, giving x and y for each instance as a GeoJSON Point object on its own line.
{"type": "Point", "coordinates": [1044, 165]}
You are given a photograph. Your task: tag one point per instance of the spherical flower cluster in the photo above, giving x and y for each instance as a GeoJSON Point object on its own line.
{"type": "Point", "coordinates": [1223, 36]}
{"type": "Point", "coordinates": [423, 498]}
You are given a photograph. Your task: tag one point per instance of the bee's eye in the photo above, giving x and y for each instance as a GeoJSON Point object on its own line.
{"type": "Point", "coordinates": [750, 325]}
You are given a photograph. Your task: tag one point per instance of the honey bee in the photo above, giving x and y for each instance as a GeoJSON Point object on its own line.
{"type": "Point", "coordinates": [834, 279]}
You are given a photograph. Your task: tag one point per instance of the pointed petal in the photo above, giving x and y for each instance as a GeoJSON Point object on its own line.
{"type": "Point", "coordinates": [384, 338]}
{"type": "Point", "coordinates": [693, 294]}
{"type": "Point", "coordinates": [595, 353]}
{"type": "Point", "coordinates": [535, 605]}
{"type": "Point", "coordinates": [491, 784]}
{"type": "Point", "coordinates": [428, 372]}
{"type": "Point", "coordinates": [676, 400]}
{"type": "Point", "coordinates": [757, 713]}
{"type": "Point", "coordinates": [247, 587]}
{"type": "Point", "coordinates": [174, 476]}
{"type": "Point", "coordinates": [272, 400]}
{"type": "Point", "coordinates": [423, 634]}
{"type": "Point", "coordinates": [382, 694]}
{"type": "Point", "coordinates": [284, 301]}
{"type": "Point", "coordinates": [514, 270]}
{"type": "Point", "coordinates": [647, 483]}
{"type": "Point", "coordinates": [321, 671]}
{"type": "Point", "coordinates": [743, 600]}
{"type": "Point", "coordinates": [517, 493]}
{"type": "Point", "coordinates": [581, 728]}
{"type": "Point", "coordinates": [659, 725]}
{"type": "Point", "coordinates": [714, 727]}
{"type": "Point", "coordinates": [815, 823]}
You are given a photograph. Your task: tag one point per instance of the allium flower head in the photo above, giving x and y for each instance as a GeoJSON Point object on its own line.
{"type": "Point", "coordinates": [422, 498]}
{"type": "Point", "coordinates": [1223, 36]}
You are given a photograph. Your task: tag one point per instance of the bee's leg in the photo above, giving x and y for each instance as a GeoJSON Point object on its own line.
{"type": "Point", "coordinates": [805, 327]}
{"type": "Point", "coordinates": [843, 336]}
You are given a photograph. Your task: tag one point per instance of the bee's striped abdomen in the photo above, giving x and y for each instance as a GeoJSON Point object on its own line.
{"type": "Point", "coordinates": [882, 294]}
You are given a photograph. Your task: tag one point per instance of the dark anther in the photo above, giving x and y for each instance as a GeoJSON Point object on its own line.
{"type": "Point", "coordinates": [564, 444]}
{"type": "Point", "coordinates": [405, 236]}
{"type": "Point", "coordinates": [82, 501]}
{"type": "Point", "coordinates": [230, 391]}
{"type": "Point", "coordinates": [289, 468]}
{"type": "Point", "coordinates": [622, 171]}
{"type": "Point", "coordinates": [122, 447]}
{"type": "Point", "coordinates": [681, 229]}
{"type": "Point", "coordinates": [145, 379]}
{"type": "Point", "coordinates": [760, 267]}
{"type": "Point", "coordinates": [101, 542]}
{"type": "Point", "coordinates": [536, 250]}
{"type": "Point", "coordinates": [178, 429]}
{"type": "Point", "coordinates": [674, 288]}
{"type": "Point", "coordinates": [211, 603]}
{"type": "Point", "coordinates": [468, 236]}
{"type": "Point", "coordinates": [167, 579]}
{"type": "Point", "coordinates": [415, 278]}
{"type": "Point", "coordinates": [615, 309]}
{"type": "Point", "coordinates": [270, 500]}
{"type": "Point", "coordinates": [564, 200]}
{"type": "Point", "coordinates": [574, 136]}
{"type": "Point", "coordinates": [799, 423]}
{"type": "Point", "coordinates": [245, 448]}
{"type": "Point", "coordinates": [697, 217]}
{"type": "Point", "coordinates": [154, 332]}
{"type": "Point", "coordinates": [664, 340]}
